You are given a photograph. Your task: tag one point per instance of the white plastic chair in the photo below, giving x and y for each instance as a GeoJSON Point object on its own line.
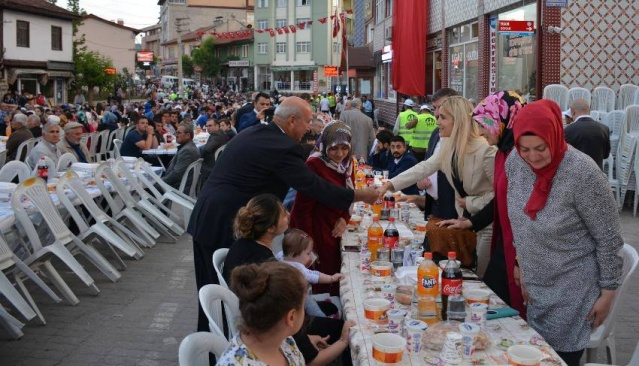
{"type": "Point", "coordinates": [605, 334]}
{"type": "Point", "coordinates": [151, 211]}
{"type": "Point", "coordinates": [603, 99]}
{"type": "Point", "coordinates": [12, 266]}
{"type": "Point", "coordinates": [3, 157]}
{"type": "Point", "coordinates": [15, 168]}
{"type": "Point", "coordinates": [35, 190]}
{"type": "Point", "coordinates": [12, 325]}
{"type": "Point", "coordinates": [219, 256]}
{"type": "Point", "coordinates": [615, 123]}
{"type": "Point", "coordinates": [168, 194]}
{"type": "Point", "coordinates": [195, 348]}
{"type": "Point", "coordinates": [603, 117]}
{"type": "Point", "coordinates": [117, 143]}
{"type": "Point", "coordinates": [211, 298]}
{"type": "Point", "coordinates": [65, 161]}
{"type": "Point", "coordinates": [53, 169]}
{"type": "Point", "coordinates": [578, 93]}
{"type": "Point", "coordinates": [219, 152]}
{"type": "Point", "coordinates": [104, 228]}
{"type": "Point", "coordinates": [557, 93]}
{"type": "Point", "coordinates": [631, 122]}
{"type": "Point", "coordinates": [192, 171]}
{"type": "Point", "coordinates": [613, 181]}
{"type": "Point", "coordinates": [123, 210]}
{"type": "Point", "coordinates": [626, 95]}
{"type": "Point", "coordinates": [24, 149]}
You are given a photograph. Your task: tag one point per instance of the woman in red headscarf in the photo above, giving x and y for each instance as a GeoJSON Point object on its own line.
{"type": "Point", "coordinates": [566, 231]}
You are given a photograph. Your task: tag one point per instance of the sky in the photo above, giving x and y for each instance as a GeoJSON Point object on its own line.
{"type": "Point", "coordinates": [136, 13]}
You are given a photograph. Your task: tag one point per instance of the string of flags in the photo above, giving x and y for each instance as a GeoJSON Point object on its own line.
{"type": "Point", "coordinates": [287, 29]}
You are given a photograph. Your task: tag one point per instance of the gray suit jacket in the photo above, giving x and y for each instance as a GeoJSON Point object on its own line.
{"type": "Point", "coordinates": [187, 153]}
{"type": "Point", "coordinates": [362, 129]}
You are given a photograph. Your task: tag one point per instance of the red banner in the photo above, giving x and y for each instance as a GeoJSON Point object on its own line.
{"type": "Point", "coordinates": [409, 46]}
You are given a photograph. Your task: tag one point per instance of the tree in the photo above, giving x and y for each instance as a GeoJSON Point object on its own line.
{"type": "Point", "coordinates": [204, 57]}
{"type": "Point", "coordinates": [74, 6]}
{"type": "Point", "coordinates": [187, 65]}
{"type": "Point", "coordinates": [54, 2]}
{"type": "Point", "coordinates": [89, 71]}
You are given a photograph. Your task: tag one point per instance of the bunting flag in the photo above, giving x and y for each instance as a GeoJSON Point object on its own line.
{"type": "Point", "coordinates": [301, 25]}
{"type": "Point", "coordinates": [200, 33]}
{"type": "Point", "coordinates": [323, 20]}
{"type": "Point", "coordinates": [335, 24]}
{"type": "Point", "coordinates": [309, 22]}
{"type": "Point", "coordinates": [271, 32]}
{"type": "Point", "coordinates": [260, 31]}
{"type": "Point", "coordinates": [292, 27]}
{"type": "Point", "coordinates": [286, 30]}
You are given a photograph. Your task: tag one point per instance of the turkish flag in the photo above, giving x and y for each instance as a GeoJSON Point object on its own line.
{"type": "Point", "coordinates": [309, 22]}
{"type": "Point", "coordinates": [286, 30]}
{"type": "Point", "coordinates": [292, 27]}
{"type": "Point", "coordinates": [271, 32]}
{"type": "Point", "coordinates": [279, 31]}
{"type": "Point", "coordinates": [323, 20]}
{"type": "Point", "coordinates": [260, 31]}
{"type": "Point", "coordinates": [335, 24]}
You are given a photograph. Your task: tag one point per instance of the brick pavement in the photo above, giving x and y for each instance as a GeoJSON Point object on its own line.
{"type": "Point", "coordinates": [141, 319]}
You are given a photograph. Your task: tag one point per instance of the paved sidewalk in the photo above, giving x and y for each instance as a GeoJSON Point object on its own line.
{"type": "Point", "coordinates": [141, 319]}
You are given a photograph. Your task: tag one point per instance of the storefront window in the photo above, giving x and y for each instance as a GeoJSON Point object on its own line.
{"type": "Point", "coordinates": [463, 67]}
{"type": "Point", "coordinates": [516, 54]}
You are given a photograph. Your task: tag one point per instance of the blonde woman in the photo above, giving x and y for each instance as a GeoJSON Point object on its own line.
{"type": "Point", "coordinates": [468, 162]}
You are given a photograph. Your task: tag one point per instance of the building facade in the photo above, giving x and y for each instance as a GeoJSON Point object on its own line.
{"type": "Point", "coordinates": [119, 46]}
{"type": "Point", "coordinates": [293, 60]}
{"type": "Point", "coordinates": [480, 46]}
{"type": "Point", "coordinates": [151, 42]}
{"type": "Point", "coordinates": [37, 48]}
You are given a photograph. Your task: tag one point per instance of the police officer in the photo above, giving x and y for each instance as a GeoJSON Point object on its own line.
{"type": "Point", "coordinates": [422, 128]}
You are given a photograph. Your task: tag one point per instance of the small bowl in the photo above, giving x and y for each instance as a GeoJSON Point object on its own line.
{"type": "Point", "coordinates": [388, 348]}
{"type": "Point", "coordinates": [477, 295]}
{"type": "Point", "coordinates": [375, 310]}
{"type": "Point", "coordinates": [381, 269]}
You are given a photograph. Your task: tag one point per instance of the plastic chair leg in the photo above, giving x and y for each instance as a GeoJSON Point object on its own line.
{"type": "Point", "coordinates": [26, 270]}
{"type": "Point", "coordinates": [98, 260]}
{"type": "Point", "coordinates": [155, 223]}
{"type": "Point", "coordinates": [59, 283]}
{"type": "Point", "coordinates": [591, 354]}
{"type": "Point", "coordinates": [29, 299]}
{"type": "Point", "coordinates": [11, 324]}
{"type": "Point", "coordinates": [63, 253]}
{"type": "Point", "coordinates": [611, 349]}
{"type": "Point", "coordinates": [137, 219]}
{"type": "Point", "coordinates": [128, 236]}
{"type": "Point", "coordinates": [166, 221]}
{"type": "Point", "coordinates": [113, 239]}
{"type": "Point", "coordinates": [14, 297]}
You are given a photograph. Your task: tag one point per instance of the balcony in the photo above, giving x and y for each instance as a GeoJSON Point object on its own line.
{"type": "Point", "coordinates": [297, 85]}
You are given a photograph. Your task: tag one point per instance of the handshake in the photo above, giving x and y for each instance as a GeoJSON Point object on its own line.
{"type": "Point", "coordinates": [372, 194]}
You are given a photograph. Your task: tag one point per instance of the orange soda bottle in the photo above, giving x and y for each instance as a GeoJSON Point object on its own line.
{"type": "Point", "coordinates": [375, 237]}
{"type": "Point", "coordinates": [427, 276]}
{"type": "Point", "coordinates": [360, 179]}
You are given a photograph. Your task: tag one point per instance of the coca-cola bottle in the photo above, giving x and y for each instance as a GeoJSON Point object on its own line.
{"type": "Point", "coordinates": [43, 169]}
{"type": "Point", "coordinates": [391, 234]}
{"type": "Point", "coordinates": [451, 282]}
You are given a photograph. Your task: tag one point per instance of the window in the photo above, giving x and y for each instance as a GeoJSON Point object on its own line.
{"type": "Point", "coordinates": [302, 20]}
{"type": "Point", "coordinates": [389, 8]}
{"type": "Point", "coordinates": [262, 48]}
{"type": "Point", "coordinates": [379, 11]}
{"type": "Point", "coordinates": [303, 47]}
{"type": "Point", "coordinates": [177, 1]}
{"type": "Point", "coordinates": [280, 23]}
{"type": "Point", "coordinates": [388, 33]}
{"type": "Point", "coordinates": [282, 3]}
{"type": "Point", "coordinates": [303, 2]}
{"type": "Point", "coordinates": [56, 38]}
{"type": "Point", "coordinates": [262, 23]}
{"type": "Point", "coordinates": [236, 51]}
{"type": "Point", "coordinates": [463, 67]}
{"type": "Point", "coordinates": [217, 53]}
{"type": "Point", "coordinates": [262, 3]}
{"type": "Point", "coordinates": [245, 50]}
{"type": "Point", "coordinates": [22, 33]}
{"type": "Point", "coordinates": [280, 47]}
{"type": "Point", "coordinates": [171, 52]}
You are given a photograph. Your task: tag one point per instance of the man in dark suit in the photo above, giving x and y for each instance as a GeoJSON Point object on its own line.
{"type": "Point", "coordinates": [401, 161]}
{"type": "Point", "coordinates": [187, 153]}
{"type": "Point", "coordinates": [271, 162]}
{"type": "Point", "coordinates": [587, 135]}
{"type": "Point", "coordinates": [245, 108]}
{"type": "Point", "coordinates": [256, 116]}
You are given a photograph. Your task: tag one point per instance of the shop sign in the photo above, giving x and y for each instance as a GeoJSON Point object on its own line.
{"type": "Point", "coordinates": [239, 63]}
{"type": "Point", "coordinates": [330, 71]}
{"type": "Point", "coordinates": [557, 3]}
{"type": "Point", "coordinates": [387, 54]}
{"type": "Point", "coordinates": [493, 54]}
{"type": "Point", "coordinates": [110, 71]}
{"type": "Point", "coordinates": [516, 27]}
{"type": "Point", "coordinates": [315, 81]}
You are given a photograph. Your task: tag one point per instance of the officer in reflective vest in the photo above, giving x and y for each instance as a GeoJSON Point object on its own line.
{"type": "Point", "coordinates": [408, 114]}
{"type": "Point", "coordinates": [422, 128]}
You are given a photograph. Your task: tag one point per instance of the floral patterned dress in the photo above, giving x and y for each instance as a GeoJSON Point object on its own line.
{"type": "Point", "coordinates": [238, 354]}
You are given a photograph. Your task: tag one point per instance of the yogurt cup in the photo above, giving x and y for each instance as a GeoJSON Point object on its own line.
{"type": "Point", "coordinates": [388, 348]}
{"type": "Point", "coordinates": [414, 334]}
{"type": "Point", "coordinates": [375, 310]}
{"type": "Point", "coordinates": [396, 319]}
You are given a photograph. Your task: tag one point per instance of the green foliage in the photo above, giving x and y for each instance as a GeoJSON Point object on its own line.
{"type": "Point", "coordinates": [54, 2]}
{"type": "Point", "coordinates": [89, 70]}
{"type": "Point", "coordinates": [187, 65]}
{"type": "Point", "coordinates": [78, 44]}
{"type": "Point", "coordinates": [204, 57]}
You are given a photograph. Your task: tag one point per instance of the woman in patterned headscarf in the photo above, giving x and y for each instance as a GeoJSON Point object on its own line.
{"type": "Point", "coordinates": [495, 116]}
{"type": "Point", "coordinates": [324, 224]}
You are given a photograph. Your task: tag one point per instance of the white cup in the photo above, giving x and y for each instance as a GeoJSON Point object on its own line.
{"type": "Point", "coordinates": [388, 293]}
{"type": "Point", "coordinates": [414, 334]}
{"type": "Point", "coordinates": [365, 261]}
{"type": "Point", "coordinates": [396, 319]}
{"type": "Point", "coordinates": [477, 314]}
{"type": "Point", "coordinates": [469, 333]}
{"type": "Point", "coordinates": [451, 353]}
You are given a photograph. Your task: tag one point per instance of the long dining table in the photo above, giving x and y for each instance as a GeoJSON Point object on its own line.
{"type": "Point", "coordinates": [358, 286]}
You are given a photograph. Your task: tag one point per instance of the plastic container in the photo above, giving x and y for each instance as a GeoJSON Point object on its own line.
{"type": "Point", "coordinates": [388, 348]}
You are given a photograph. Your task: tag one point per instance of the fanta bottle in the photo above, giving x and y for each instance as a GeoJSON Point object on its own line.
{"type": "Point", "coordinates": [427, 275]}
{"type": "Point", "coordinates": [375, 237]}
{"type": "Point", "coordinates": [360, 179]}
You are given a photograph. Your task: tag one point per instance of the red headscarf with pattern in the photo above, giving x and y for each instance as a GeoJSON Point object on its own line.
{"type": "Point", "coordinates": [542, 119]}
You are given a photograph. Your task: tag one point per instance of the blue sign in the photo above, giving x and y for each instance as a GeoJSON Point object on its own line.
{"type": "Point", "coordinates": [557, 3]}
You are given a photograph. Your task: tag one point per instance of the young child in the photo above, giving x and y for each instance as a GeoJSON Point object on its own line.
{"type": "Point", "coordinates": [297, 250]}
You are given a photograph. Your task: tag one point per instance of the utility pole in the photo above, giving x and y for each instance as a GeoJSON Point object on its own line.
{"type": "Point", "coordinates": [180, 26]}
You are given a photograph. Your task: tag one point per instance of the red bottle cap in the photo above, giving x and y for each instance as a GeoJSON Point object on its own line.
{"type": "Point", "coordinates": [392, 219]}
{"type": "Point", "coordinates": [428, 255]}
{"type": "Point", "coordinates": [452, 255]}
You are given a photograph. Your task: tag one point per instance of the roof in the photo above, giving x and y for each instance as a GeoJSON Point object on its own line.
{"type": "Point", "coordinates": [151, 27]}
{"type": "Point", "coordinates": [93, 16]}
{"type": "Point", "coordinates": [360, 57]}
{"type": "Point", "coordinates": [208, 30]}
{"type": "Point", "coordinates": [39, 7]}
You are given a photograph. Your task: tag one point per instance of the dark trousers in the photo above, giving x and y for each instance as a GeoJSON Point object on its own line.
{"type": "Point", "coordinates": [571, 358]}
{"type": "Point", "coordinates": [204, 275]}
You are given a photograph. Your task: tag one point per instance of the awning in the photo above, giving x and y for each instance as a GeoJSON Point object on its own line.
{"type": "Point", "coordinates": [44, 75]}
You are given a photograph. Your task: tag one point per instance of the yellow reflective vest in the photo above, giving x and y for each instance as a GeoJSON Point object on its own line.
{"type": "Point", "coordinates": [404, 118]}
{"type": "Point", "coordinates": [426, 123]}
